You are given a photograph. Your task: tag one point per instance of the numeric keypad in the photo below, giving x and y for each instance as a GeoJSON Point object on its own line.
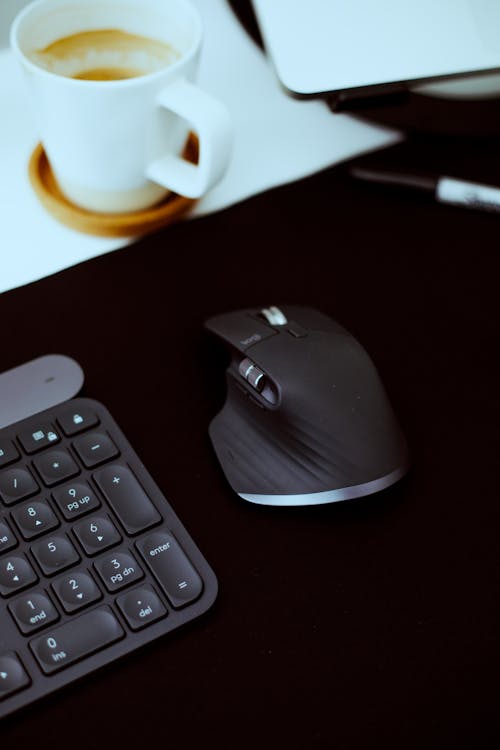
{"type": "Point", "coordinates": [90, 563]}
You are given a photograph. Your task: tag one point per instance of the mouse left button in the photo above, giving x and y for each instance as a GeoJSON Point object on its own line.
{"type": "Point", "coordinates": [240, 330]}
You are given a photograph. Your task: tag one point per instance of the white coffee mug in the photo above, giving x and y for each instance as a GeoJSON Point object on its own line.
{"type": "Point", "coordinates": [116, 145]}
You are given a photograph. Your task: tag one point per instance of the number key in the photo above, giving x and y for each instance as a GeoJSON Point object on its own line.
{"type": "Point", "coordinates": [34, 519]}
{"type": "Point", "coordinates": [76, 590]}
{"type": "Point", "coordinates": [15, 573]}
{"type": "Point", "coordinates": [33, 611]}
{"type": "Point", "coordinates": [76, 639]}
{"type": "Point", "coordinates": [118, 570]}
{"type": "Point", "coordinates": [55, 554]}
{"type": "Point", "coordinates": [76, 499]}
{"type": "Point", "coordinates": [96, 534]}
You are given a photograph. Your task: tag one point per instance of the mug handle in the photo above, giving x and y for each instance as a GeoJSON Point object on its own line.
{"type": "Point", "coordinates": [211, 121]}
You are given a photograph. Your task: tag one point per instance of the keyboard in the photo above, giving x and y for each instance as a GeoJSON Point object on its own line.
{"type": "Point", "coordinates": [94, 563]}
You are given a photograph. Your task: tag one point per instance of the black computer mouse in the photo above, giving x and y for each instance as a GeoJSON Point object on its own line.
{"type": "Point", "coordinates": [306, 418]}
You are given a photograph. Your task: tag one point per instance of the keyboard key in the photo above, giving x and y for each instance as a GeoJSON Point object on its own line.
{"type": "Point", "coordinates": [174, 572]}
{"type": "Point", "coordinates": [118, 570]}
{"type": "Point", "coordinates": [38, 438]}
{"type": "Point", "coordinates": [8, 452]}
{"type": "Point", "coordinates": [96, 534]}
{"type": "Point", "coordinates": [17, 484]}
{"type": "Point", "coordinates": [141, 607]}
{"type": "Point", "coordinates": [33, 611]}
{"type": "Point", "coordinates": [13, 676]}
{"type": "Point", "coordinates": [15, 574]}
{"type": "Point", "coordinates": [73, 421]}
{"type": "Point", "coordinates": [55, 554]}
{"type": "Point", "coordinates": [56, 466]}
{"type": "Point", "coordinates": [127, 498]}
{"type": "Point", "coordinates": [95, 448]}
{"type": "Point", "coordinates": [76, 590]}
{"type": "Point", "coordinates": [34, 519]}
{"type": "Point", "coordinates": [77, 638]}
{"type": "Point", "coordinates": [73, 500]}
{"type": "Point", "coordinates": [7, 538]}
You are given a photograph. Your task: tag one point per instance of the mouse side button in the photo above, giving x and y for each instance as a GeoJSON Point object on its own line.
{"type": "Point", "coordinates": [239, 329]}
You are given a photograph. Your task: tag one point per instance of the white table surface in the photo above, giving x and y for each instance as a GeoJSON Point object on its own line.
{"type": "Point", "coordinates": [277, 140]}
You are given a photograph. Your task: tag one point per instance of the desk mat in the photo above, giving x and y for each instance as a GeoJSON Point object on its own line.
{"type": "Point", "coordinates": [364, 624]}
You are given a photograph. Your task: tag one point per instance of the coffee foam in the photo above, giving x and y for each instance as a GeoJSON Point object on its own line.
{"type": "Point", "coordinates": [73, 55]}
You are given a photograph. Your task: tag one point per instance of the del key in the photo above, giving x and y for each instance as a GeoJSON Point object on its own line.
{"type": "Point", "coordinates": [127, 498]}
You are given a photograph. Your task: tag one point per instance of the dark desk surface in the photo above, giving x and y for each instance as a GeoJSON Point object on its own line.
{"type": "Point", "coordinates": [372, 623]}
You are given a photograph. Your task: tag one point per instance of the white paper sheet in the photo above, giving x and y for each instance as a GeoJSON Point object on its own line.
{"type": "Point", "coordinates": [277, 140]}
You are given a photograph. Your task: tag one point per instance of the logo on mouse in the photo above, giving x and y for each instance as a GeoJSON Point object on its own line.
{"type": "Point", "coordinates": [253, 339]}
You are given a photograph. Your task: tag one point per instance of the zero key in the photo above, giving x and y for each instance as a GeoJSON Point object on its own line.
{"type": "Point", "coordinates": [76, 639]}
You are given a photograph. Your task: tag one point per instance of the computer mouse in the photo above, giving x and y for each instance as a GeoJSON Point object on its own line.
{"type": "Point", "coordinates": [306, 418]}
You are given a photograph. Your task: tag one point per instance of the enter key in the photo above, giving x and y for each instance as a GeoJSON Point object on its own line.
{"type": "Point", "coordinates": [171, 567]}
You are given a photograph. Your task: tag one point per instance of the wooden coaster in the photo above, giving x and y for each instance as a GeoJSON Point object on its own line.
{"type": "Point", "coordinates": [132, 224]}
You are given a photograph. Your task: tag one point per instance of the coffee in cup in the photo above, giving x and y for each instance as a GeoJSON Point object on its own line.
{"type": "Point", "coordinates": [105, 55]}
{"type": "Point", "coordinates": [112, 85]}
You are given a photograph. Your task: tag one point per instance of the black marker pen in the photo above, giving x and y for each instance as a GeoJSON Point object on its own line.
{"type": "Point", "coordinates": [444, 189]}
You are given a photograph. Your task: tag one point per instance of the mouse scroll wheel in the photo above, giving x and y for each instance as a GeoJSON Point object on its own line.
{"type": "Point", "coordinates": [252, 374]}
{"type": "Point", "coordinates": [274, 316]}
